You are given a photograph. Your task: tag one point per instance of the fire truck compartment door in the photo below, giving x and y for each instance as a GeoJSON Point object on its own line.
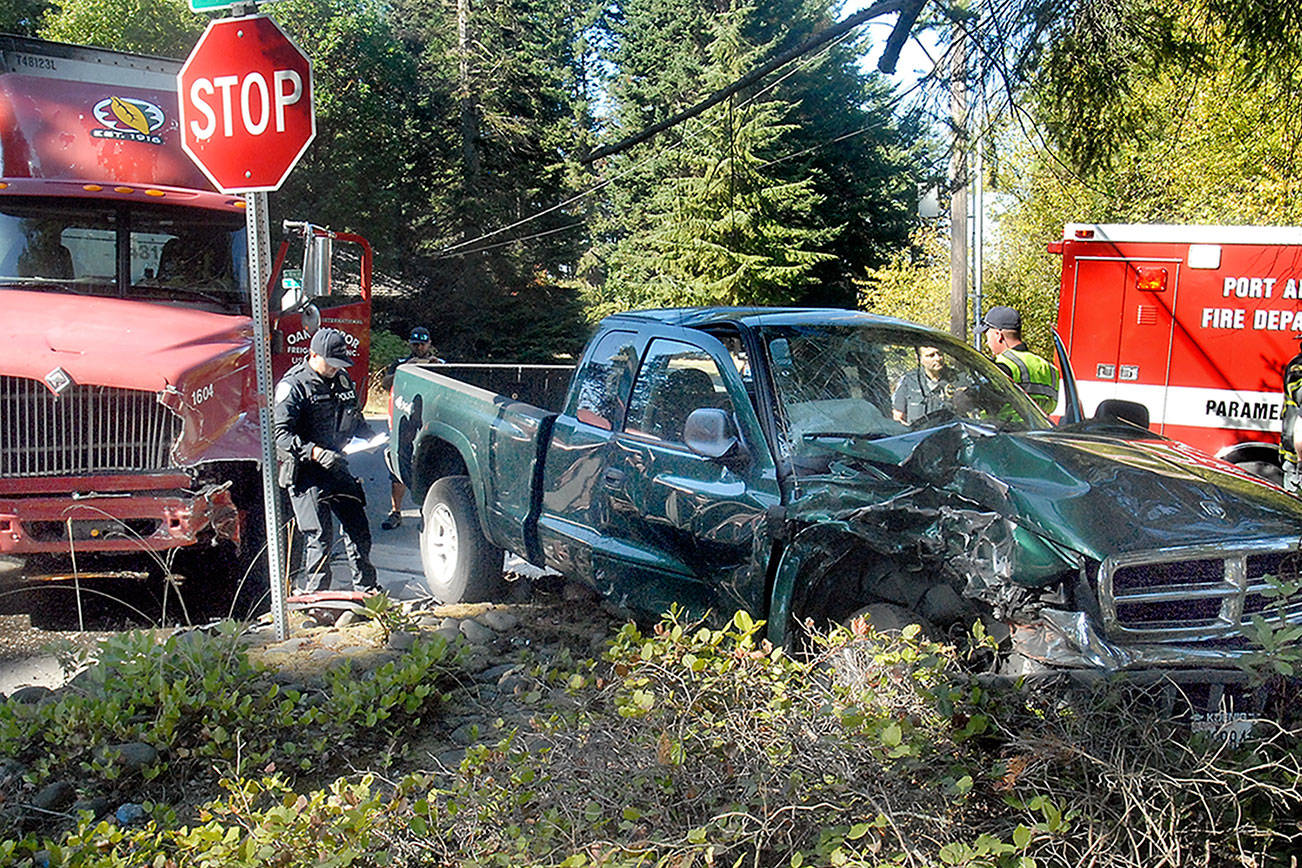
{"type": "Point", "coordinates": [1121, 331]}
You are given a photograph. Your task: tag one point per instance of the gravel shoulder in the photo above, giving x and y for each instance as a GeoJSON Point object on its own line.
{"type": "Point", "coordinates": [28, 654]}
{"type": "Point", "coordinates": [542, 616]}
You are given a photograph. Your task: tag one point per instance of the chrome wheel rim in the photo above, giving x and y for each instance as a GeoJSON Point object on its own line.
{"type": "Point", "coordinates": [440, 545]}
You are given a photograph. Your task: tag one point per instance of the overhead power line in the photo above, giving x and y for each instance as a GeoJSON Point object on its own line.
{"type": "Point", "coordinates": [908, 9]}
{"type": "Point", "coordinates": [824, 41]}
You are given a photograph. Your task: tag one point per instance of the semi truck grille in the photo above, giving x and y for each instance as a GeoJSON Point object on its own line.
{"type": "Point", "coordinates": [1199, 593]}
{"type": "Point", "coordinates": [87, 429]}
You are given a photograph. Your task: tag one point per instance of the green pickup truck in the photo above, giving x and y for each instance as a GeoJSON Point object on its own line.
{"type": "Point", "coordinates": [821, 464]}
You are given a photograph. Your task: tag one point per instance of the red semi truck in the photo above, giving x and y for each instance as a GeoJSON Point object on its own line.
{"type": "Point", "coordinates": [128, 417]}
{"type": "Point", "coordinates": [1194, 322]}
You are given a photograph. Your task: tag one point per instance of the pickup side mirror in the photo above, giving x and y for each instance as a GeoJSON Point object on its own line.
{"type": "Point", "coordinates": [1115, 410]}
{"type": "Point", "coordinates": [707, 432]}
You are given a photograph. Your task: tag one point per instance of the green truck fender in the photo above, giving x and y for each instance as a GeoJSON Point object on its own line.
{"type": "Point", "coordinates": [443, 450]}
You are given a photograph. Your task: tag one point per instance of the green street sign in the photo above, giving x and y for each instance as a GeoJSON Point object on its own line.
{"type": "Point", "coordinates": [210, 5]}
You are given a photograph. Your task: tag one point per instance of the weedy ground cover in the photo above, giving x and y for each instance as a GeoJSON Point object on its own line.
{"type": "Point", "coordinates": [682, 745]}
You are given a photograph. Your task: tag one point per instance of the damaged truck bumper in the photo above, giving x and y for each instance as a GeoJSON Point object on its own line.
{"type": "Point", "coordinates": [1175, 607]}
{"type": "Point", "coordinates": [111, 513]}
{"type": "Point", "coordinates": [1180, 606]}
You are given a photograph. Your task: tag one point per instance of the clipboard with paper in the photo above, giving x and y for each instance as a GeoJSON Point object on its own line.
{"type": "Point", "coordinates": [365, 444]}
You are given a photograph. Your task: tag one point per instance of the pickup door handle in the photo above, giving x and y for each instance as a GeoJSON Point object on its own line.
{"type": "Point", "coordinates": [613, 477]}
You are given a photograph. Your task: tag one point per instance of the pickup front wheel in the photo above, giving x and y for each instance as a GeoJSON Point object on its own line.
{"type": "Point", "coordinates": [461, 565]}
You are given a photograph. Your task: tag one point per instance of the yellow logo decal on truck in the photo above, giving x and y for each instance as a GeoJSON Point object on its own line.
{"type": "Point", "coordinates": [127, 118]}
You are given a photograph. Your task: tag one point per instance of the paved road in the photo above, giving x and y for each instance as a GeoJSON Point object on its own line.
{"type": "Point", "coordinates": [396, 552]}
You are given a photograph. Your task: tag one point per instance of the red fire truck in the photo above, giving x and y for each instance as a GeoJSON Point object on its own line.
{"type": "Point", "coordinates": [128, 421]}
{"type": "Point", "coordinates": [1194, 322]}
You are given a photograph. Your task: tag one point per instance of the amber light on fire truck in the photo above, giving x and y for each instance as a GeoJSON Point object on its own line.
{"type": "Point", "coordinates": [1150, 279]}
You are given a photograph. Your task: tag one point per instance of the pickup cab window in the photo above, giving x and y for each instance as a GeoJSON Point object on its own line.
{"type": "Point", "coordinates": [675, 379]}
{"type": "Point", "coordinates": [602, 385]}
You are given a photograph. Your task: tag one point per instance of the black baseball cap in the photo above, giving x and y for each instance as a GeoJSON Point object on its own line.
{"type": "Point", "coordinates": [331, 345]}
{"type": "Point", "coordinates": [419, 336]}
{"type": "Point", "coordinates": [1000, 317]}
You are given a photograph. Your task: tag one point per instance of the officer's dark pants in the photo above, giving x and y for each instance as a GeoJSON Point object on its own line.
{"type": "Point", "coordinates": [313, 505]}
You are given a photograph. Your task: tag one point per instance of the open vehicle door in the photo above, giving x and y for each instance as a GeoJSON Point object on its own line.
{"type": "Point", "coordinates": [332, 289]}
{"type": "Point", "coordinates": [1071, 412]}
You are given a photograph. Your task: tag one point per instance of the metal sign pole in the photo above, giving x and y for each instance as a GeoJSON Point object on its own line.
{"type": "Point", "coordinates": [259, 237]}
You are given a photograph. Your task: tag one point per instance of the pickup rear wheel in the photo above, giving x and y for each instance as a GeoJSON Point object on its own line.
{"type": "Point", "coordinates": [461, 565]}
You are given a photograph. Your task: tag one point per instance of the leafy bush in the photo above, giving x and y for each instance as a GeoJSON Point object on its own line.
{"type": "Point", "coordinates": [211, 713]}
{"type": "Point", "coordinates": [700, 746]}
{"type": "Point", "coordinates": [692, 746]}
{"type": "Point", "coordinates": [386, 348]}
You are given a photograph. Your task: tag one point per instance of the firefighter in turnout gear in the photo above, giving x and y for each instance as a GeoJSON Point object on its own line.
{"type": "Point", "coordinates": [316, 413]}
{"type": "Point", "coordinates": [1290, 436]}
{"type": "Point", "coordinates": [1035, 376]}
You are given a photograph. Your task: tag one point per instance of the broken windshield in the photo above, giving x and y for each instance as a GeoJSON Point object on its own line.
{"type": "Point", "coordinates": [182, 255]}
{"type": "Point", "coordinates": [867, 382]}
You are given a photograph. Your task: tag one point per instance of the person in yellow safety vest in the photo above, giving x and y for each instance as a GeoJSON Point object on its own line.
{"type": "Point", "coordinates": [1290, 435]}
{"type": "Point", "coordinates": [1036, 376]}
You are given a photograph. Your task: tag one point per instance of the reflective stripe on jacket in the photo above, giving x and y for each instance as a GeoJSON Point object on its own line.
{"type": "Point", "coordinates": [1292, 392]}
{"type": "Point", "coordinates": [1034, 375]}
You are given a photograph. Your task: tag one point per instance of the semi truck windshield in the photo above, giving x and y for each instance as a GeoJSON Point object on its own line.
{"type": "Point", "coordinates": [181, 255]}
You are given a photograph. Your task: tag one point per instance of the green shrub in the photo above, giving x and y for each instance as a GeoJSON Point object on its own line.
{"type": "Point", "coordinates": [682, 746]}
{"type": "Point", "coordinates": [211, 713]}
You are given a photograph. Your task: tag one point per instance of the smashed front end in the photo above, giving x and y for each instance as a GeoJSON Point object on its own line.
{"type": "Point", "coordinates": [1076, 583]}
{"type": "Point", "coordinates": [93, 470]}
{"type": "Point", "coordinates": [950, 497]}
{"type": "Point", "coordinates": [1194, 605]}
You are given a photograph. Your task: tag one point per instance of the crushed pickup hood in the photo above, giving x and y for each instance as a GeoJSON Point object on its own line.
{"type": "Point", "coordinates": [1092, 494]}
{"type": "Point", "coordinates": [1101, 495]}
{"type": "Point", "coordinates": [113, 342]}
{"type": "Point", "coordinates": [1182, 543]}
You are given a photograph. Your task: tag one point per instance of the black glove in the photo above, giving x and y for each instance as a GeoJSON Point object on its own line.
{"type": "Point", "coordinates": [333, 461]}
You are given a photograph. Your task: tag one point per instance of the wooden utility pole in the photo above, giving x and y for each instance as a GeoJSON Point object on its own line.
{"type": "Point", "coordinates": [469, 113]}
{"type": "Point", "coordinates": [958, 187]}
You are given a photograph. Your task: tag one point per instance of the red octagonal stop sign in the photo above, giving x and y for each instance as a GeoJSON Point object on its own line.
{"type": "Point", "coordinates": [246, 104]}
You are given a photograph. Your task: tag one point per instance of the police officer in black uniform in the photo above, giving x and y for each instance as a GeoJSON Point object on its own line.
{"type": "Point", "coordinates": [316, 414]}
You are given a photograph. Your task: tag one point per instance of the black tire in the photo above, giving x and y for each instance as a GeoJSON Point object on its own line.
{"type": "Point", "coordinates": [461, 565]}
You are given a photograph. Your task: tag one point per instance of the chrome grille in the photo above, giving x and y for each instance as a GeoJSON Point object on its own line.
{"type": "Point", "coordinates": [1197, 593]}
{"type": "Point", "coordinates": [87, 429]}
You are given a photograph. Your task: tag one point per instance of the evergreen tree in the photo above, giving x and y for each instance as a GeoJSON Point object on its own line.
{"type": "Point", "coordinates": [723, 230]}
{"type": "Point", "coordinates": [847, 165]}
{"type": "Point", "coordinates": [867, 153]}
{"type": "Point", "coordinates": [510, 116]}
{"type": "Point", "coordinates": [367, 171]}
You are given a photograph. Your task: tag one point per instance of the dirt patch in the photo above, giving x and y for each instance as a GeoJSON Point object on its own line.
{"type": "Point", "coordinates": [544, 616]}
{"type": "Point", "coordinates": [30, 656]}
